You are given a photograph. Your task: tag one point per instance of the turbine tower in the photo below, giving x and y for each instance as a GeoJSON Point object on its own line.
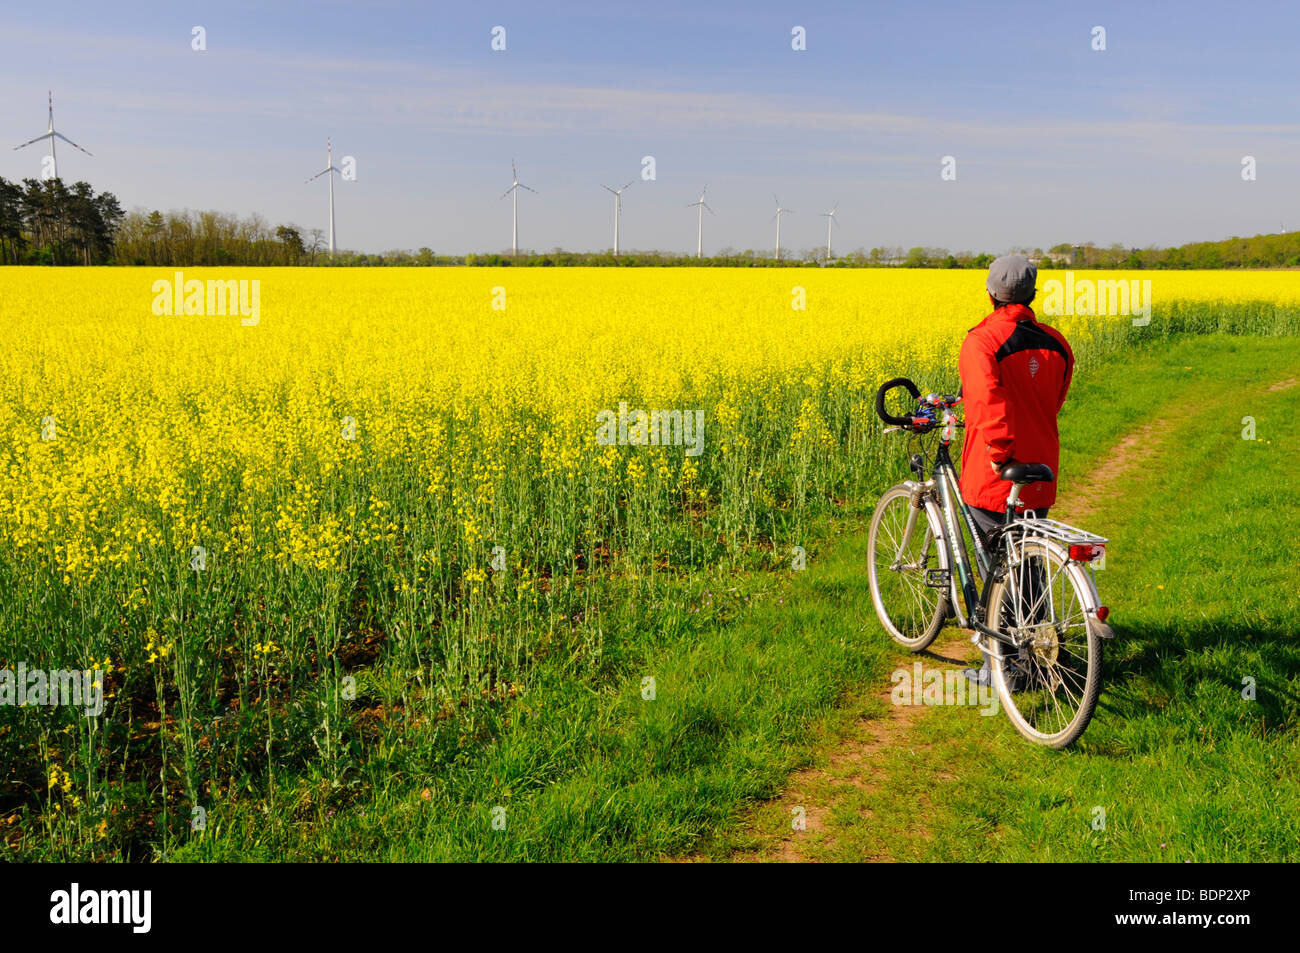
{"type": "Point", "coordinates": [702, 205]}
{"type": "Point", "coordinates": [329, 167]}
{"type": "Point", "coordinates": [51, 135]}
{"type": "Point", "coordinates": [830, 220]}
{"type": "Point", "coordinates": [514, 189]}
{"type": "Point", "coordinates": [777, 219]}
{"type": "Point", "coordinates": [618, 209]}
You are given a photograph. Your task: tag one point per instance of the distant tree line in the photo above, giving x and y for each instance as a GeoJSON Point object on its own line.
{"type": "Point", "coordinates": [177, 239]}
{"type": "Point", "coordinates": [726, 258]}
{"type": "Point", "coordinates": [1280, 250]}
{"type": "Point", "coordinates": [46, 222]}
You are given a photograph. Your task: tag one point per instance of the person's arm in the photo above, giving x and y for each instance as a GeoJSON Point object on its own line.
{"type": "Point", "coordinates": [1069, 372]}
{"type": "Point", "coordinates": [986, 400]}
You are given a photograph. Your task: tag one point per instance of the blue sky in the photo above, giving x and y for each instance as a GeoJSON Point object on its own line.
{"type": "Point", "coordinates": [1140, 144]}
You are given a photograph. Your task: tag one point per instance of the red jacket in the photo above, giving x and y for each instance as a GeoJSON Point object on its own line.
{"type": "Point", "coordinates": [1014, 376]}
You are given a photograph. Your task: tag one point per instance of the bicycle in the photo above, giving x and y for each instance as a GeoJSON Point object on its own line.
{"type": "Point", "coordinates": [1038, 617]}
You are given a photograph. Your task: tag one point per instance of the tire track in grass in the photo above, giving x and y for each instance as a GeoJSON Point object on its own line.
{"type": "Point", "coordinates": [1119, 465]}
{"type": "Point", "coordinates": [1116, 467]}
{"type": "Point", "coordinates": [852, 767]}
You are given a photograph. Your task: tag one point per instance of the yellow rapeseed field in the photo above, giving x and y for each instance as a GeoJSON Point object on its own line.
{"type": "Point", "coordinates": [127, 433]}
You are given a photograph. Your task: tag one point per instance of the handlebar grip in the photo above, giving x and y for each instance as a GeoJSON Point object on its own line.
{"type": "Point", "coordinates": [904, 422]}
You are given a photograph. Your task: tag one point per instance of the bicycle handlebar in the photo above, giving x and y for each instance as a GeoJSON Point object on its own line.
{"type": "Point", "coordinates": [886, 416]}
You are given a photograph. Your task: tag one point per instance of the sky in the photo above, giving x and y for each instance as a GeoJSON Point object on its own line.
{"type": "Point", "coordinates": [1141, 143]}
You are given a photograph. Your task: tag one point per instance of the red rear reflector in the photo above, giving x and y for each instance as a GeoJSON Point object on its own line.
{"type": "Point", "coordinates": [1086, 552]}
{"type": "Point", "coordinates": [1102, 612]}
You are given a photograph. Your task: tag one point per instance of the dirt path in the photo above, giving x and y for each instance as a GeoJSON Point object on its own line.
{"type": "Point", "coordinates": [1121, 464]}
{"type": "Point", "coordinates": [1117, 466]}
{"type": "Point", "coordinates": [852, 762]}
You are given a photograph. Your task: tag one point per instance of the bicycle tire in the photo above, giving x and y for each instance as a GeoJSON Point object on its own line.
{"type": "Point", "coordinates": [915, 621]}
{"type": "Point", "coordinates": [1054, 638]}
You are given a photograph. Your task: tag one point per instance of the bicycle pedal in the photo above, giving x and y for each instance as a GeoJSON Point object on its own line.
{"type": "Point", "coordinates": [937, 578]}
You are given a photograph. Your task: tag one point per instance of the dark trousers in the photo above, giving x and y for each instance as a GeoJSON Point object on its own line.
{"type": "Point", "coordinates": [1035, 579]}
{"type": "Point", "coordinates": [987, 520]}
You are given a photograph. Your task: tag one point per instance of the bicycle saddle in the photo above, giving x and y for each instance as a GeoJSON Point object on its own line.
{"type": "Point", "coordinates": [1028, 473]}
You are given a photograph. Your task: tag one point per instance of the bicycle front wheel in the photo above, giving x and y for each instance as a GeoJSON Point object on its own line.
{"type": "Point", "coordinates": [1048, 684]}
{"type": "Point", "coordinates": [902, 548]}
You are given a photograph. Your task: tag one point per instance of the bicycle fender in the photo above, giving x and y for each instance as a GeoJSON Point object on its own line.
{"type": "Point", "coordinates": [1101, 629]}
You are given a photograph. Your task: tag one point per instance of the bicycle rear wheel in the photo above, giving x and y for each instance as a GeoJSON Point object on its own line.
{"type": "Point", "coordinates": [901, 547]}
{"type": "Point", "coordinates": [1049, 683]}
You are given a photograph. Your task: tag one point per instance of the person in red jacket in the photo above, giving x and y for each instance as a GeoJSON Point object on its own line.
{"type": "Point", "coordinates": [1015, 372]}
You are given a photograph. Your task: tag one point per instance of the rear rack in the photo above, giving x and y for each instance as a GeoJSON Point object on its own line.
{"type": "Point", "coordinates": [1055, 529]}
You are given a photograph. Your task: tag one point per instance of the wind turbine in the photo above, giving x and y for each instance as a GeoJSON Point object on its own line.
{"type": "Point", "coordinates": [514, 188]}
{"type": "Point", "coordinates": [830, 220]}
{"type": "Point", "coordinates": [777, 219]}
{"type": "Point", "coordinates": [329, 167]}
{"type": "Point", "coordinates": [702, 205]}
{"type": "Point", "coordinates": [51, 135]}
{"type": "Point", "coordinates": [618, 209]}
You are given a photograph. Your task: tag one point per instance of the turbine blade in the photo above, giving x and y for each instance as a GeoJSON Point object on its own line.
{"type": "Point", "coordinates": [73, 144]}
{"type": "Point", "coordinates": [711, 212]}
{"type": "Point", "coordinates": [522, 186]}
{"type": "Point", "coordinates": [628, 186]}
{"type": "Point", "coordinates": [316, 176]}
{"type": "Point", "coordinates": [46, 135]}
{"type": "Point", "coordinates": [609, 190]}
{"type": "Point", "coordinates": [509, 190]}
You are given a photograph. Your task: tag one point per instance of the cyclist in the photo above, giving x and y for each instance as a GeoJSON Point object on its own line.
{"type": "Point", "coordinates": [1015, 372]}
